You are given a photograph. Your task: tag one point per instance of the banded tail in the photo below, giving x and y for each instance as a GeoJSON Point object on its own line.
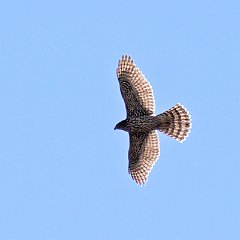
{"type": "Point", "coordinates": [175, 122]}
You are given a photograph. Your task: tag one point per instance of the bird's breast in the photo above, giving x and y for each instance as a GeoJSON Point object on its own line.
{"type": "Point", "coordinates": [141, 124]}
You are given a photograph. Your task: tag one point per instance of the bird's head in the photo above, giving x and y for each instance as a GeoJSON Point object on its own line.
{"type": "Point", "coordinates": [121, 125]}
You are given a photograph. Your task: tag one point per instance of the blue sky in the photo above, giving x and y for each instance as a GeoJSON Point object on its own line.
{"type": "Point", "coordinates": [63, 170]}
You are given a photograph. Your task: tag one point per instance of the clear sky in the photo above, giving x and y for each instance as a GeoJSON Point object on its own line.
{"type": "Point", "coordinates": [63, 169]}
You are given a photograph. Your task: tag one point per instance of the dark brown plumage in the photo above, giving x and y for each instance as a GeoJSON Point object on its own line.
{"type": "Point", "coordinates": [141, 123]}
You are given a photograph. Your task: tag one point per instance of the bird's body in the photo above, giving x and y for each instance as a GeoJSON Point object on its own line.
{"type": "Point", "coordinates": [141, 123]}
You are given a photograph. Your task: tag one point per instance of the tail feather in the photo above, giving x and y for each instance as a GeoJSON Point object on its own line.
{"type": "Point", "coordinates": [175, 122]}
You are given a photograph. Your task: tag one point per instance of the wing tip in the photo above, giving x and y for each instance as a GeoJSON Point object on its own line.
{"type": "Point", "coordinates": [124, 63]}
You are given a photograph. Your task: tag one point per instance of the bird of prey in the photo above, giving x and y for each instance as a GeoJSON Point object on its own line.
{"type": "Point", "coordinates": [142, 124]}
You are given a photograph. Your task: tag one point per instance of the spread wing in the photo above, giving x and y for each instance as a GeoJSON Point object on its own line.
{"type": "Point", "coordinates": [143, 153]}
{"type": "Point", "coordinates": [135, 89]}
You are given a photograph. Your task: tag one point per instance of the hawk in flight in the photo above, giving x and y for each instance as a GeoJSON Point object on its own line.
{"type": "Point", "coordinates": [141, 122]}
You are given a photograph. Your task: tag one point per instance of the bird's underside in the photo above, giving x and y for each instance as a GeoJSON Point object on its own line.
{"type": "Point", "coordinates": [141, 123]}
